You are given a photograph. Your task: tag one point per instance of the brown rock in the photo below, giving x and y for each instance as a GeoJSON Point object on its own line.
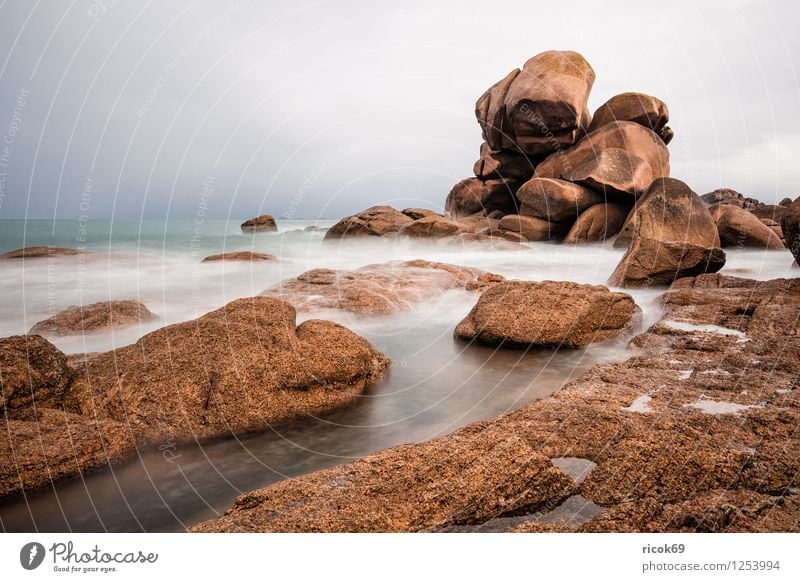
{"type": "Point", "coordinates": [724, 196]}
{"type": "Point", "coordinates": [670, 212]}
{"type": "Point", "coordinates": [770, 211]}
{"type": "Point", "coordinates": [549, 314]}
{"type": "Point", "coordinates": [431, 227]}
{"type": "Point", "coordinates": [38, 252]}
{"type": "Point", "coordinates": [650, 262]}
{"type": "Point", "coordinates": [491, 113]}
{"type": "Point", "coordinates": [417, 213]}
{"type": "Point", "coordinates": [555, 200]}
{"type": "Point", "coordinates": [241, 256]}
{"type": "Point", "coordinates": [374, 221]}
{"type": "Point", "coordinates": [96, 317]}
{"type": "Point", "coordinates": [473, 195]}
{"type": "Point", "coordinates": [531, 228]}
{"type": "Point", "coordinates": [241, 368]}
{"type": "Point", "coordinates": [478, 222]}
{"type": "Point", "coordinates": [374, 289]}
{"type": "Point", "coordinates": [791, 229]}
{"type": "Point", "coordinates": [507, 164]}
{"type": "Point", "coordinates": [31, 370]}
{"type": "Point", "coordinates": [546, 103]}
{"type": "Point", "coordinates": [739, 228]}
{"type": "Point", "coordinates": [643, 109]}
{"type": "Point", "coordinates": [785, 202]}
{"type": "Point", "coordinates": [625, 135]}
{"type": "Point", "coordinates": [263, 223]}
{"type": "Point", "coordinates": [598, 223]}
{"type": "Point", "coordinates": [615, 173]}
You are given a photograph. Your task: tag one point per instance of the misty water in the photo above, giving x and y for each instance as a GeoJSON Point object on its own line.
{"type": "Point", "coordinates": [435, 384]}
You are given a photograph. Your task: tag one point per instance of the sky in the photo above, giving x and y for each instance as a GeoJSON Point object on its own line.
{"type": "Point", "coordinates": [317, 109]}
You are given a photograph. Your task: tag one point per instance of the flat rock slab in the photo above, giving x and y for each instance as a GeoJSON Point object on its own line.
{"type": "Point", "coordinates": [94, 318]}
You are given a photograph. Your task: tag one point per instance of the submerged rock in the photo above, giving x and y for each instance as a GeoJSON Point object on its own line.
{"type": "Point", "coordinates": [240, 256]}
{"type": "Point", "coordinates": [263, 223]}
{"type": "Point", "coordinates": [38, 252]}
{"type": "Point", "coordinates": [96, 317]}
{"type": "Point", "coordinates": [374, 289]}
{"type": "Point", "coordinates": [549, 314]}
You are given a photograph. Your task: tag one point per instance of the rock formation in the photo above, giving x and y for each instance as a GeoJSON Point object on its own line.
{"type": "Point", "coordinates": [96, 317]}
{"type": "Point", "coordinates": [262, 223]}
{"type": "Point", "coordinates": [374, 221]}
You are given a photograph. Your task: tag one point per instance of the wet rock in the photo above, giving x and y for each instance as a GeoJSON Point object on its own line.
{"type": "Point", "coordinates": [509, 164]}
{"type": "Point", "coordinates": [262, 223]}
{"type": "Point", "coordinates": [531, 228]}
{"type": "Point", "coordinates": [96, 317]}
{"type": "Point", "coordinates": [546, 102]}
{"type": "Point", "coordinates": [549, 314]}
{"type": "Point", "coordinates": [374, 289]}
{"type": "Point", "coordinates": [374, 221]}
{"type": "Point", "coordinates": [649, 262]}
{"type": "Point", "coordinates": [431, 227]}
{"type": "Point", "coordinates": [739, 228]}
{"type": "Point", "coordinates": [555, 200]}
{"type": "Point", "coordinates": [38, 252]}
{"type": "Point", "coordinates": [670, 212]}
{"type": "Point", "coordinates": [791, 228]}
{"type": "Point", "coordinates": [598, 223]}
{"type": "Point", "coordinates": [640, 108]}
{"type": "Point", "coordinates": [491, 113]}
{"type": "Point", "coordinates": [474, 195]}
{"type": "Point", "coordinates": [417, 213]}
{"type": "Point", "coordinates": [631, 137]}
{"type": "Point", "coordinates": [240, 256]}
{"type": "Point", "coordinates": [242, 368]}
{"type": "Point", "coordinates": [32, 370]}
{"type": "Point", "coordinates": [614, 172]}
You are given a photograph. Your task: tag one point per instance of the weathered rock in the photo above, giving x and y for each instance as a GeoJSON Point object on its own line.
{"type": "Point", "coordinates": [374, 289]}
{"type": "Point", "coordinates": [242, 368]}
{"type": "Point", "coordinates": [615, 173]}
{"type": "Point", "coordinates": [32, 370]}
{"type": "Point", "coordinates": [531, 228]}
{"type": "Point", "coordinates": [417, 213]}
{"type": "Point", "coordinates": [491, 113]}
{"type": "Point", "coordinates": [96, 317]}
{"type": "Point", "coordinates": [507, 164]}
{"type": "Point", "coordinates": [724, 196]}
{"type": "Point", "coordinates": [38, 252]}
{"type": "Point", "coordinates": [549, 314]}
{"type": "Point", "coordinates": [625, 135]}
{"type": "Point", "coordinates": [546, 102]}
{"type": "Point", "coordinates": [640, 108]}
{"type": "Point", "coordinates": [649, 262]}
{"type": "Point", "coordinates": [790, 226]}
{"type": "Point", "coordinates": [262, 223]}
{"type": "Point", "coordinates": [739, 228]}
{"type": "Point", "coordinates": [670, 212]}
{"type": "Point", "coordinates": [770, 211]}
{"type": "Point", "coordinates": [785, 202]}
{"type": "Point", "coordinates": [240, 256]}
{"type": "Point", "coordinates": [598, 223]}
{"type": "Point", "coordinates": [431, 227]}
{"type": "Point", "coordinates": [474, 195]}
{"type": "Point", "coordinates": [374, 221]}
{"type": "Point", "coordinates": [478, 222]}
{"type": "Point", "coordinates": [555, 200]}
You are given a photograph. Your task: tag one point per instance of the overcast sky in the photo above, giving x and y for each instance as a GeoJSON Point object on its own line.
{"type": "Point", "coordinates": [319, 109]}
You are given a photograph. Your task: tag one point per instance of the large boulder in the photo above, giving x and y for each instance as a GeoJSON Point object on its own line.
{"type": "Point", "coordinates": [549, 314]}
{"type": "Point", "coordinates": [509, 164]}
{"type": "Point", "coordinates": [491, 113]}
{"type": "Point", "coordinates": [631, 137]}
{"type": "Point", "coordinates": [32, 370]}
{"type": "Point", "coordinates": [475, 195]}
{"type": "Point", "coordinates": [650, 262]}
{"type": "Point", "coordinates": [531, 228]}
{"type": "Point", "coordinates": [615, 173]}
{"type": "Point", "coordinates": [739, 228]}
{"type": "Point", "coordinates": [546, 102]}
{"type": "Point", "coordinates": [374, 289]}
{"type": "Point", "coordinates": [96, 317]}
{"type": "Point", "coordinates": [555, 200]}
{"type": "Point", "coordinates": [598, 223]}
{"type": "Point", "coordinates": [374, 221]}
{"type": "Point", "coordinates": [791, 228]}
{"type": "Point", "coordinates": [241, 368]}
{"type": "Point", "coordinates": [640, 108]}
{"type": "Point", "coordinates": [670, 212]}
{"type": "Point", "coordinates": [262, 223]}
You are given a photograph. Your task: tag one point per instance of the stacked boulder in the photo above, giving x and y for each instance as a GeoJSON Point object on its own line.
{"type": "Point", "coordinates": [549, 168]}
